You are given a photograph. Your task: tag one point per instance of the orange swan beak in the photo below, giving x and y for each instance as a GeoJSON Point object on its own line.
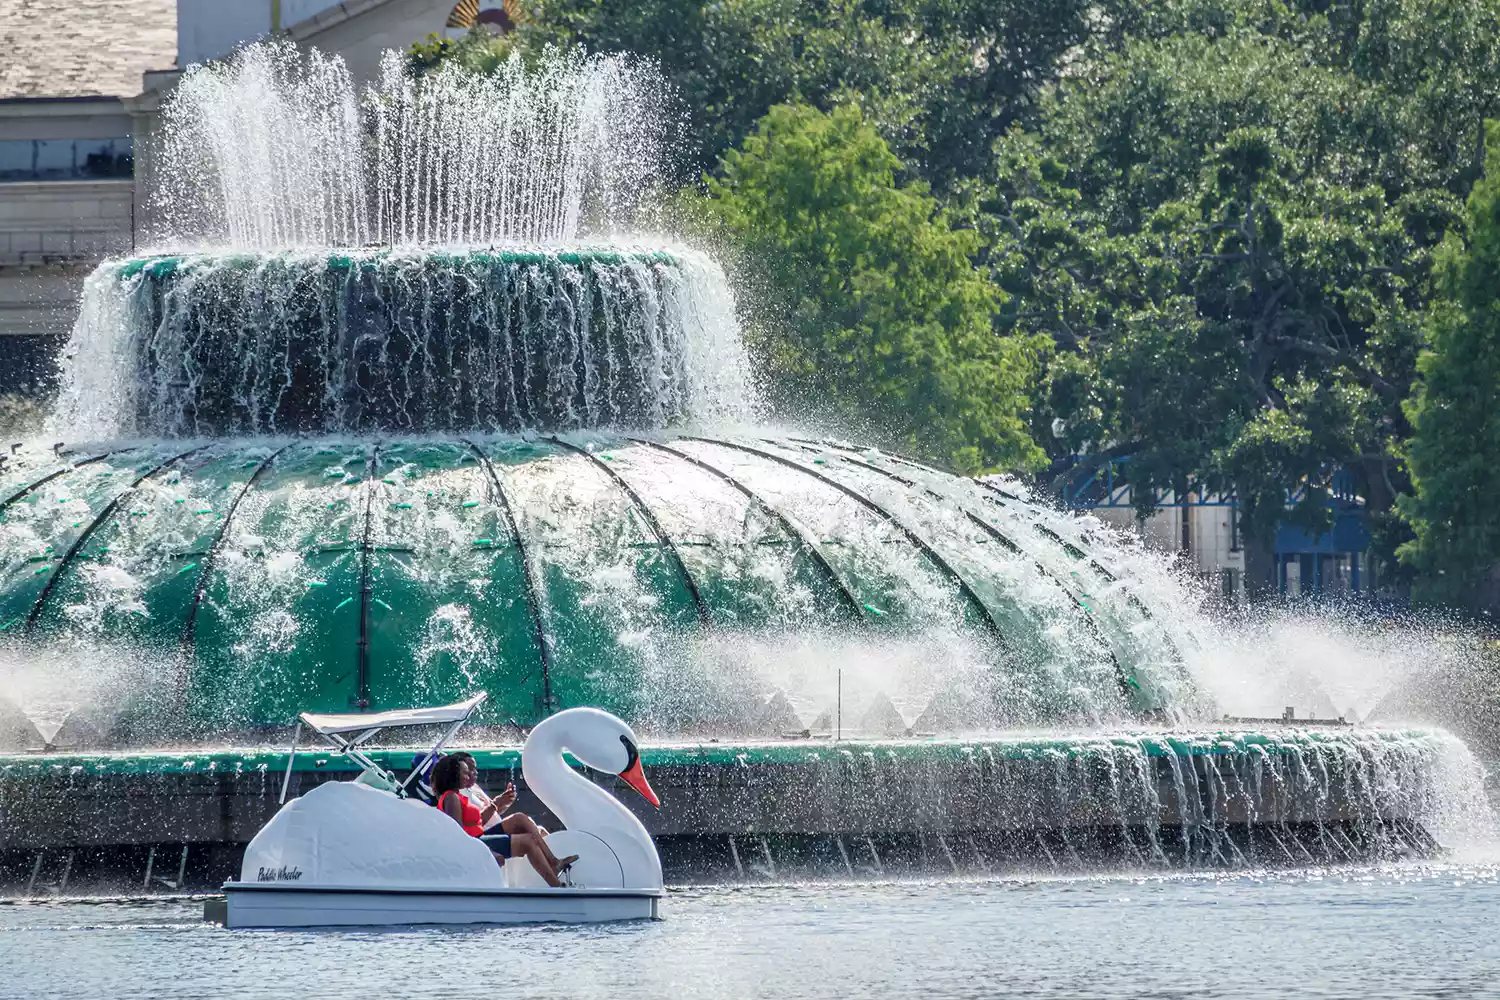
{"type": "Point", "coordinates": [635, 777]}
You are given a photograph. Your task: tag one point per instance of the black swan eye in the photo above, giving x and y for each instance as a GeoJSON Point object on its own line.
{"type": "Point", "coordinates": [630, 749]}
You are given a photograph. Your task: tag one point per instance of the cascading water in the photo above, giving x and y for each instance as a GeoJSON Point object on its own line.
{"type": "Point", "coordinates": [402, 340]}
{"type": "Point", "coordinates": [537, 472]}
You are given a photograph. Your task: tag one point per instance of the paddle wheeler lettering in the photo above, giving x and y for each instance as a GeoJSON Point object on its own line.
{"type": "Point", "coordinates": [282, 874]}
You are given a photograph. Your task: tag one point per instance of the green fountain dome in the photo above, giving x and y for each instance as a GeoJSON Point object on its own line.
{"type": "Point", "coordinates": [677, 580]}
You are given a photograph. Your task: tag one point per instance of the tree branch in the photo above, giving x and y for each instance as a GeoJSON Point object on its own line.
{"type": "Point", "coordinates": [1373, 380]}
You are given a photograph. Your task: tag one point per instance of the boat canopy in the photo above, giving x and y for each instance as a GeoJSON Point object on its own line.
{"type": "Point", "coordinates": [345, 733]}
{"type": "Point", "coordinates": [329, 725]}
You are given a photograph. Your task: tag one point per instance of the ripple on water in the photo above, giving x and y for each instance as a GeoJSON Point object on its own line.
{"type": "Point", "coordinates": [1389, 931]}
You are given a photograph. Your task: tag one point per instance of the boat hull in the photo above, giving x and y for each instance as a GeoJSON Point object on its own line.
{"type": "Point", "coordinates": [274, 905]}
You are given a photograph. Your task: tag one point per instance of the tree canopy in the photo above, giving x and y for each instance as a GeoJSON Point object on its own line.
{"type": "Point", "coordinates": [940, 79]}
{"type": "Point", "coordinates": [1228, 223]}
{"type": "Point", "coordinates": [1455, 415]}
{"type": "Point", "coordinates": [886, 320]}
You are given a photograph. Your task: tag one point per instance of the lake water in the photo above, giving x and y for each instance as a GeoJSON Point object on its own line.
{"type": "Point", "coordinates": [1396, 931]}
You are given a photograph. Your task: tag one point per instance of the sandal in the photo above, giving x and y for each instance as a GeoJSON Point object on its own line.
{"type": "Point", "coordinates": [564, 864]}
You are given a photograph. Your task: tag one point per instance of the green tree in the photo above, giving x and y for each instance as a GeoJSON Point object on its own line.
{"type": "Point", "coordinates": [1229, 236]}
{"type": "Point", "coordinates": [478, 51]}
{"type": "Point", "coordinates": [883, 317]}
{"type": "Point", "coordinates": [1454, 453]}
{"type": "Point", "coordinates": [940, 79]}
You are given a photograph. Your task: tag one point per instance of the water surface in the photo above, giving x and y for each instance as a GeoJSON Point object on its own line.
{"type": "Point", "coordinates": [1399, 931]}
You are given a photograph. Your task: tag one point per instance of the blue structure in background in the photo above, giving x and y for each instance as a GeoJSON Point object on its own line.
{"type": "Point", "coordinates": [1309, 563]}
{"type": "Point", "coordinates": [1337, 550]}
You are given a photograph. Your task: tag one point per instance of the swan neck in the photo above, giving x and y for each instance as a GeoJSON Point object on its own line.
{"type": "Point", "coordinates": [570, 796]}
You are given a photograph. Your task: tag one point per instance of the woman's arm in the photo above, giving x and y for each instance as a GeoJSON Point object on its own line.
{"type": "Point", "coordinates": [453, 808]}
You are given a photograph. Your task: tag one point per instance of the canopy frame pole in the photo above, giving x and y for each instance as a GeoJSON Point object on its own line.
{"type": "Point", "coordinates": [417, 765]}
{"type": "Point", "coordinates": [347, 741]}
{"type": "Point", "coordinates": [291, 755]}
{"type": "Point", "coordinates": [351, 750]}
{"type": "Point", "coordinates": [368, 734]}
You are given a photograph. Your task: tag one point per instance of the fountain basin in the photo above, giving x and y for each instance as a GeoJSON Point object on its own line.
{"type": "Point", "coordinates": [1153, 799]}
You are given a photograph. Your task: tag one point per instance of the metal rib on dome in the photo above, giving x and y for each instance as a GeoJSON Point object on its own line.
{"type": "Point", "coordinates": [206, 567]}
{"type": "Point", "coordinates": [83, 537]}
{"type": "Point", "coordinates": [1010, 545]}
{"type": "Point", "coordinates": [664, 541]}
{"type": "Point", "coordinates": [1003, 498]}
{"type": "Point", "coordinates": [916, 540]}
{"type": "Point", "coordinates": [362, 700]}
{"type": "Point", "coordinates": [846, 596]}
{"type": "Point", "coordinates": [1077, 553]}
{"type": "Point", "coordinates": [528, 578]}
{"type": "Point", "coordinates": [32, 487]}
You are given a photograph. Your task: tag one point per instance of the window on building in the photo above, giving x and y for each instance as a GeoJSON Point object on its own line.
{"type": "Point", "coordinates": [65, 159]}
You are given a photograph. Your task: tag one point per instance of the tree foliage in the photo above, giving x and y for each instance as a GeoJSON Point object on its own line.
{"type": "Point", "coordinates": [1227, 223]}
{"type": "Point", "coordinates": [940, 79]}
{"type": "Point", "coordinates": [886, 320]}
{"type": "Point", "coordinates": [1455, 413]}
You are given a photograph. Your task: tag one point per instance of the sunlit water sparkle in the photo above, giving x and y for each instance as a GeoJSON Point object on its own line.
{"type": "Point", "coordinates": [1396, 931]}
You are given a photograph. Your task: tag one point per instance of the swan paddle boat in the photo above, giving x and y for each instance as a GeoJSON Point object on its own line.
{"type": "Point", "coordinates": [366, 852]}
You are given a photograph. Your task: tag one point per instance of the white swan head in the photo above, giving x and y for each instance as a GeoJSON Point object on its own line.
{"type": "Point", "coordinates": [603, 742]}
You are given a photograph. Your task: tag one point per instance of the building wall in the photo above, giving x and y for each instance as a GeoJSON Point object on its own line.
{"type": "Point", "coordinates": [363, 39]}
{"type": "Point", "coordinates": [50, 221]}
{"type": "Point", "coordinates": [53, 231]}
{"type": "Point", "coordinates": [1213, 542]}
{"type": "Point", "coordinates": [207, 29]}
{"type": "Point", "coordinates": [1211, 548]}
{"type": "Point", "coordinates": [39, 300]}
{"type": "Point", "coordinates": [51, 235]}
{"type": "Point", "coordinates": [358, 30]}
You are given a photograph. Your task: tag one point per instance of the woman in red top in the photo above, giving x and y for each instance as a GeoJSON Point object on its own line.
{"type": "Point", "coordinates": [447, 778]}
{"type": "Point", "coordinates": [515, 823]}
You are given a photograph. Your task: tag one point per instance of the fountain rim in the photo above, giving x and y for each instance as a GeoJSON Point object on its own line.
{"type": "Point", "coordinates": [163, 264]}
{"type": "Point", "coordinates": [1203, 743]}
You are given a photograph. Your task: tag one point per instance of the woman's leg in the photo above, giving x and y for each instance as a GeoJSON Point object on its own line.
{"type": "Point", "coordinates": [520, 823]}
{"type": "Point", "coordinates": [524, 845]}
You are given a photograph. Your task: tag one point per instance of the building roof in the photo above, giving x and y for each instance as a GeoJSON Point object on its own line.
{"type": "Point", "coordinates": [83, 48]}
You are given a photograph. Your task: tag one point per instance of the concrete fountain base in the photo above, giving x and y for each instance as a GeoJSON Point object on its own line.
{"type": "Point", "coordinates": [800, 809]}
